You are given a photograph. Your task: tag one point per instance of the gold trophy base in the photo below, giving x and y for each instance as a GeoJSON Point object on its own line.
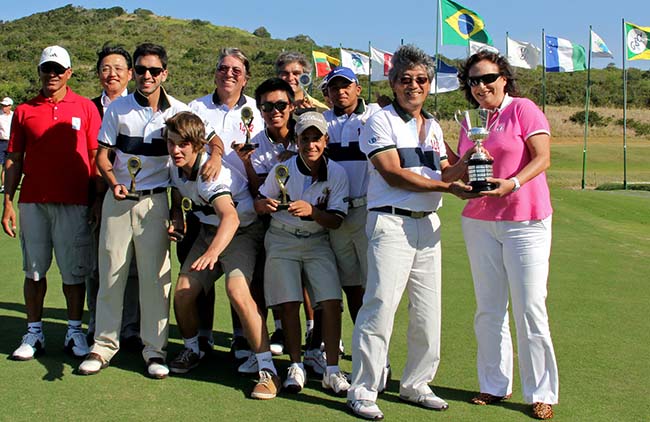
{"type": "Point", "coordinates": [282, 207]}
{"type": "Point", "coordinates": [134, 196]}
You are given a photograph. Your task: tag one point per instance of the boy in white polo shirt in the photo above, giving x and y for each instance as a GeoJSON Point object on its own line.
{"type": "Point", "coordinates": [228, 242]}
{"type": "Point", "coordinates": [298, 241]}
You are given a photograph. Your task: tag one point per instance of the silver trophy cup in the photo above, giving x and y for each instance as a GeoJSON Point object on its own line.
{"type": "Point", "coordinates": [477, 124]}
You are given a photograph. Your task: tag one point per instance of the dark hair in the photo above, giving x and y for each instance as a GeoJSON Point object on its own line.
{"type": "Point", "coordinates": [149, 49]}
{"type": "Point", "coordinates": [189, 126]}
{"type": "Point", "coordinates": [273, 84]}
{"type": "Point", "coordinates": [407, 57]}
{"type": "Point", "coordinates": [109, 50]}
{"type": "Point", "coordinates": [504, 69]}
{"type": "Point", "coordinates": [238, 54]}
{"type": "Point", "coordinates": [288, 57]}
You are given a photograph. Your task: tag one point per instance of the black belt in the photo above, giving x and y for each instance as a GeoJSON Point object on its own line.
{"type": "Point", "coordinates": [147, 192]}
{"type": "Point", "coordinates": [400, 211]}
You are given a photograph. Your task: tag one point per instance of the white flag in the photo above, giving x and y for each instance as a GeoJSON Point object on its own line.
{"type": "Point", "coordinates": [447, 77]}
{"type": "Point", "coordinates": [359, 63]}
{"type": "Point", "coordinates": [380, 64]}
{"type": "Point", "coordinates": [598, 47]}
{"type": "Point", "coordinates": [522, 54]}
{"type": "Point", "coordinates": [475, 46]}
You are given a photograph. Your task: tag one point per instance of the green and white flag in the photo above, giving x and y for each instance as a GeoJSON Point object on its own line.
{"type": "Point", "coordinates": [636, 42]}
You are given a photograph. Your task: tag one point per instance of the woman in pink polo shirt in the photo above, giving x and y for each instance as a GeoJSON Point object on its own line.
{"type": "Point", "coordinates": [508, 237]}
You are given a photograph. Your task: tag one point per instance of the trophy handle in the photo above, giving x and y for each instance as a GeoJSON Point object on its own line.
{"type": "Point", "coordinates": [456, 114]}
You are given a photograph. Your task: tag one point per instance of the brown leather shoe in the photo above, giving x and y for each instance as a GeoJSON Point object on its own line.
{"type": "Point", "coordinates": [483, 399]}
{"type": "Point", "coordinates": [267, 387]}
{"type": "Point", "coordinates": [542, 411]}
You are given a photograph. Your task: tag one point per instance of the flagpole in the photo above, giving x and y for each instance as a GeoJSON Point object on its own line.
{"type": "Point", "coordinates": [370, 72]}
{"type": "Point", "coordinates": [624, 50]}
{"type": "Point", "coordinates": [435, 78]}
{"type": "Point", "coordinates": [543, 72]}
{"type": "Point", "coordinates": [587, 91]}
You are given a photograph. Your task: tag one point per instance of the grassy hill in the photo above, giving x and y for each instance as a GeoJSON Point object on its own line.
{"type": "Point", "coordinates": [192, 46]}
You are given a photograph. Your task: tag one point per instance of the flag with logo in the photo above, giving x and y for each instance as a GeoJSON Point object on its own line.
{"type": "Point", "coordinates": [380, 64]}
{"type": "Point", "coordinates": [563, 55]}
{"type": "Point", "coordinates": [475, 47]}
{"type": "Point", "coordinates": [447, 78]}
{"type": "Point", "coordinates": [460, 24]}
{"type": "Point", "coordinates": [598, 47]}
{"type": "Point", "coordinates": [522, 54]}
{"type": "Point", "coordinates": [359, 63]}
{"type": "Point", "coordinates": [322, 63]}
{"type": "Point", "coordinates": [637, 41]}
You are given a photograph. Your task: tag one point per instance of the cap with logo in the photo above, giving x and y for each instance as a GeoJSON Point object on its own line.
{"type": "Point", "coordinates": [55, 54]}
{"type": "Point", "coordinates": [341, 72]}
{"type": "Point", "coordinates": [311, 119]}
{"type": "Point", "coordinates": [6, 101]}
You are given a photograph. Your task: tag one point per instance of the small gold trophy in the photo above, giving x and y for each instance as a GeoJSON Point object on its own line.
{"type": "Point", "coordinates": [247, 118]}
{"type": "Point", "coordinates": [281, 176]}
{"type": "Point", "coordinates": [133, 164]}
{"type": "Point", "coordinates": [186, 206]}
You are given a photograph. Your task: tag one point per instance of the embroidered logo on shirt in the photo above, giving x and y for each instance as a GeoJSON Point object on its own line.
{"type": "Point", "coordinates": [372, 140]}
{"type": "Point", "coordinates": [76, 123]}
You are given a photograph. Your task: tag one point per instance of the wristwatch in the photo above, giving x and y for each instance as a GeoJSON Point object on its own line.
{"type": "Point", "coordinates": [517, 184]}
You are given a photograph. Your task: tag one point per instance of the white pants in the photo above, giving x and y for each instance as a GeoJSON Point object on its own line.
{"type": "Point", "coordinates": [403, 253]}
{"type": "Point", "coordinates": [512, 257]}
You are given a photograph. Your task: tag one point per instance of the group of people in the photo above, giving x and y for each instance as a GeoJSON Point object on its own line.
{"type": "Point", "coordinates": [292, 201]}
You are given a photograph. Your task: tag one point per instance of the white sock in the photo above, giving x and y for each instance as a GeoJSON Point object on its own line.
{"type": "Point", "coordinates": [192, 344]}
{"type": "Point", "coordinates": [333, 369]}
{"type": "Point", "coordinates": [74, 325]}
{"type": "Point", "coordinates": [35, 327]}
{"type": "Point", "coordinates": [238, 332]}
{"type": "Point", "coordinates": [309, 325]}
{"type": "Point", "coordinates": [265, 361]}
{"type": "Point", "coordinates": [278, 324]}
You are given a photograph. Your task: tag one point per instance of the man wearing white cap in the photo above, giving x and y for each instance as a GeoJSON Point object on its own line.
{"type": "Point", "coordinates": [5, 129]}
{"type": "Point", "coordinates": [53, 143]}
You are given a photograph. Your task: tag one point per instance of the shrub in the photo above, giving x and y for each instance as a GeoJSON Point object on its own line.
{"type": "Point", "coordinates": [262, 32]}
{"type": "Point", "coordinates": [595, 119]}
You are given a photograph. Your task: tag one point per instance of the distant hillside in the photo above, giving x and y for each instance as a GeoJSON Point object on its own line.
{"type": "Point", "coordinates": [192, 46]}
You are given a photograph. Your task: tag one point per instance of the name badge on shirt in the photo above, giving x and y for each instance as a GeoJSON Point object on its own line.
{"type": "Point", "coordinates": [76, 123]}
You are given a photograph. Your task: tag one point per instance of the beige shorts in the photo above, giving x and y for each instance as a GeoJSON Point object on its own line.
{"type": "Point", "coordinates": [59, 227]}
{"type": "Point", "coordinates": [237, 260]}
{"type": "Point", "coordinates": [350, 245]}
{"type": "Point", "coordinates": [287, 256]}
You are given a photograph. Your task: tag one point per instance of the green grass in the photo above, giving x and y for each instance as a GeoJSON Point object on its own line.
{"type": "Point", "coordinates": [598, 304]}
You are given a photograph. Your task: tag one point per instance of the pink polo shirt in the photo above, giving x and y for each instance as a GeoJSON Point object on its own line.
{"type": "Point", "coordinates": [518, 120]}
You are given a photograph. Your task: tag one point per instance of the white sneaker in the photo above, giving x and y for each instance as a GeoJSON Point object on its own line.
{"type": "Point", "coordinates": [429, 401]}
{"type": "Point", "coordinates": [296, 379]}
{"type": "Point", "coordinates": [75, 344]}
{"type": "Point", "coordinates": [249, 366]}
{"type": "Point", "coordinates": [31, 345]}
{"type": "Point", "coordinates": [366, 409]}
{"type": "Point", "coordinates": [336, 382]}
{"type": "Point", "coordinates": [316, 360]}
{"type": "Point", "coordinates": [157, 369]}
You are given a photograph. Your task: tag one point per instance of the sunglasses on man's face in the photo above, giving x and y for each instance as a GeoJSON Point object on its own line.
{"type": "Point", "coordinates": [49, 67]}
{"type": "Point", "coordinates": [488, 78]}
{"type": "Point", "coordinates": [407, 80]}
{"type": "Point", "coordinates": [268, 106]}
{"type": "Point", "coordinates": [153, 71]}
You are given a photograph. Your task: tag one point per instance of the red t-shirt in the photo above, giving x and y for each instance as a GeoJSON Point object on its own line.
{"type": "Point", "coordinates": [58, 140]}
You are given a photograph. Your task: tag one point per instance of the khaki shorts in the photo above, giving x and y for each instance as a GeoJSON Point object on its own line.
{"type": "Point", "coordinates": [287, 256]}
{"type": "Point", "coordinates": [237, 260]}
{"type": "Point", "coordinates": [59, 227]}
{"type": "Point", "coordinates": [350, 245]}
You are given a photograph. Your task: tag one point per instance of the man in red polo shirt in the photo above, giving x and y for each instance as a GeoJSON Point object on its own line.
{"type": "Point", "coordinates": [52, 146]}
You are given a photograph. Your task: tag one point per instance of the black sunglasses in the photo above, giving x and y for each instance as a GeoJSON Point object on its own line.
{"type": "Point", "coordinates": [269, 106]}
{"type": "Point", "coordinates": [420, 80]}
{"type": "Point", "coordinates": [49, 67]}
{"type": "Point", "coordinates": [488, 78]}
{"type": "Point", "coordinates": [154, 71]}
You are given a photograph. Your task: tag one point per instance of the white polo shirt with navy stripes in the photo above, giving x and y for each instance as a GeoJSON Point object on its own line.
{"type": "Point", "coordinates": [131, 128]}
{"type": "Point", "coordinates": [266, 155]}
{"type": "Point", "coordinates": [392, 128]}
{"type": "Point", "coordinates": [227, 123]}
{"type": "Point", "coordinates": [203, 193]}
{"type": "Point", "coordinates": [343, 145]}
{"type": "Point", "coordinates": [328, 192]}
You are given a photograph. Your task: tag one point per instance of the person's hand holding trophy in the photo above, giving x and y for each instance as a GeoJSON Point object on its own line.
{"type": "Point", "coordinates": [178, 233]}
{"type": "Point", "coordinates": [247, 119]}
{"type": "Point", "coordinates": [477, 124]}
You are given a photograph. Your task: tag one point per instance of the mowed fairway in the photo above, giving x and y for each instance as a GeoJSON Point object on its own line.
{"type": "Point", "coordinates": [599, 305]}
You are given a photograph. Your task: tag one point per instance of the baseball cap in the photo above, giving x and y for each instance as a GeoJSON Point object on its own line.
{"type": "Point", "coordinates": [6, 101]}
{"type": "Point", "coordinates": [55, 54]}
{"type": "Point", "coordinates": [341, 72]}
{"type": "Point", "coordinates": [309, 119]}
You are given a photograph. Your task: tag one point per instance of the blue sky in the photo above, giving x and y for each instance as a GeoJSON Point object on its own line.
{"type": "Point", "coordinates": [385, 23]}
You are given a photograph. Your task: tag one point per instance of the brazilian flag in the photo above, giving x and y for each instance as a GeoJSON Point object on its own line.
{"type": "Point", "coordinates": [461, 24]}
